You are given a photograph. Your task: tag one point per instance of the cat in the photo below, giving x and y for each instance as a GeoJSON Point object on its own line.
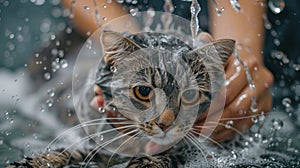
{"type": "Point", "coordinates": [155, 86]}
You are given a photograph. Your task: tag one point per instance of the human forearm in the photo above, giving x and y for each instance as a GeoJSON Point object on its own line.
{"type": "Point", "coordinates": [246, 26]}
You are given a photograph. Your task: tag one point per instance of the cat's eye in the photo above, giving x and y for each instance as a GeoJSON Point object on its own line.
{"type": "Point", "coordinates": [190, 96]}
{"type": "Point", "coordinates": [143, 93]}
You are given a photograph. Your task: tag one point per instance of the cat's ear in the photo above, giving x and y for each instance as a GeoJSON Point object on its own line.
{"type": "Point", "coordinates": [211, 58]}
{"type": "Point", "coordinates": [116, 45]}
{"type": "Point", "coordinates": [218, 51]}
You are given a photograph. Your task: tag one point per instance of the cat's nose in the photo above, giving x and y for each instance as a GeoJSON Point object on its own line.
{"type": "Point", "coordinates": [166, 119]}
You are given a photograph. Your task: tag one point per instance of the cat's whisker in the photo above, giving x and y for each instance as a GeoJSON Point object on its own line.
{"type": "Point", "coordinates": [224, 125]}
{"type": "Point", "coordinates": [83, 140]}
{"type": "Point", "coordinates": [194, 141]}
{"type": "Point", "coordinates": [208, 138]}
{"type": "Point", "coordinates": [206, 126]}
{"type": "Point", "coordinates": [101, 146]}
{"type": "Point", "coordinates": [109, 103]}
{"type": "Point", "coordinates": [239, 118]}
{"type": "Point", "coordinates": [84, 124]}
{"type": "Point", "coordinates": [133, 136]}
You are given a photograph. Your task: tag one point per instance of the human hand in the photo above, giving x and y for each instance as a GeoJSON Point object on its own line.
{"type": "Point", "coordinates": [237, 114]}
{"type": "Point", "coordinates": [98, 100]}
{"type": "Point", "coordinates": [238, 98]}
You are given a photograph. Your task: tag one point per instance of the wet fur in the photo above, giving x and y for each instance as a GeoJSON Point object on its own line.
{"type": "Point", "coordinates": [116, 47]}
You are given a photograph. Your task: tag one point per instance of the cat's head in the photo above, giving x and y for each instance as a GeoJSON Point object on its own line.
{"type": "Point", "coordinates": [159, 82]}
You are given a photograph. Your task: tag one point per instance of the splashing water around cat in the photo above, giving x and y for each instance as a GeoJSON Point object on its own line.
{"type": "Point", "coordinates": [156, 88]}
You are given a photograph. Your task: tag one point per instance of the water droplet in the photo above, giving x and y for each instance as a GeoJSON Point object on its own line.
{"type": "Point", "coordinates": [52, 37]}
{"type": "Point", "coordinates": [48, 150]}
{"type": "Point", "coordinates": [89, 44]}
{"type": "Point", "coordinates": [64, 63]}
{"type": "Point", "coordinates": [194, 9]}
{"type": "Point", "coordinates": [286, 102]}
{"type": "Point", "coordinates": [61, 53]}
{"type": "Point", "coordinates": [104, 18]}
{"type": "Point", "coordinates": [133, 12]}
{"type": "Point", "coordinates": [38, 2]}
{"type": "Point", "coordinates": [101, 137]}
{"type": "Point", "coordinates": [51, 92]}
{"type": "Point", "coordinates": [11, 121]}
{"type": "Point", "coordinates": [68, 30]}
{"type": "Point", "coordinates": [113, 69]}
{"type": "Point", "coordinates": [34, 136]}
{"type": "Point", "coordinates": [236, 5]}
{"type": "Point", "coordinates": [56, 12]}
{"type": "Point", "coordinates": [229, 124]}
{"type": "Point", "coordinates": [57, 43]}
{"type": "Point", "coordinates": [47, 76]}
{"type": "Point", "coordinates": [296, 67]}
{"type": "Point", "coordinates": [101, 109]}
{"type": "Point", "coordinates": [277, 42]}
{"type": "Point", "coordinates": [88, 32]}
{"type": "Point", "coordinates": [262, 117]}
{"type": "Point", "coordinates": [49, 102]}
{"type": "Point", "coordinates": [234, 155]}
{"type": "Point", "coordinates": [254, 119]}
{"type": "Point", "coordinates": [277, 124]}
{"type": "Point", "coordinates": [11, 36]}
{"type": "Point", "coordinates": [258, 137]}
{"type": "Point", "coordinates": [254, 106]}
{"type": "Point", "coordinates": [1, 140]}
{"type": "Point", "coordinates": [7, 133]}
{"type": "Point", "coordinates": [86, 7]}
{"type": "Point", "coordinates": [276, 6]}
{"type": "Point", "coordinates": [120, 1]}
{"type": "Point", "coordinates": [134, 2]}
{"type": "Point", "coordinates": [280, 56]}
{"type": "Point", "coordinates": [252, 86]}
{"type": "Point", "coordinates": [219, 12]}
{"type": "Point", "coordinates": [104, 6]}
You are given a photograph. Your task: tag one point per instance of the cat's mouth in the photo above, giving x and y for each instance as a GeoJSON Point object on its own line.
{"type": "Point", "coordinates": [159, 135]}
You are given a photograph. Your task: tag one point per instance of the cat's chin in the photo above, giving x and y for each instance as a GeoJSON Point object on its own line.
{"type": "Point", "coordinates": [165, 138]}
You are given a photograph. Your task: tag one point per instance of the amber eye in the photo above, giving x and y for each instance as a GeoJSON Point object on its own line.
{"type": "Point", "coordinates": [190, 97]}
{"type": "Point", "coordinates": [143, 93]}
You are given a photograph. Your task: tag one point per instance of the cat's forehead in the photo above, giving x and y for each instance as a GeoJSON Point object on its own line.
{"type": "Point", "coordinates": [159, 41]}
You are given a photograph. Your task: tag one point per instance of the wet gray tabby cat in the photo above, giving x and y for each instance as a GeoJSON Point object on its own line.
{"type": "Point", "coordinates": [159, 85]}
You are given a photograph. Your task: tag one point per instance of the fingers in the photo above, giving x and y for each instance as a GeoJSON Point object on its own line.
{"type": "Point", "coordinates": [98, 100]}
{"type": "Point", "coordinates": [240, 120]}
{"type": "Point", "coordinates": [236, 79]}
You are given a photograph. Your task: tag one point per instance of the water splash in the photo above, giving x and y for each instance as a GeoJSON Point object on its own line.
{"type": "Point", "coordinates": [97, 14]}
{"type": "Point", "coordinates": [218, 10]}
{"type": "Point", "coordinates": [133, 12]}
{"type": "Point", "coordinates": [280, 56]}
{"type": "Point", "coordinates": [252, 86]}
{"type": "Point", "coordinates": [166, 18]}
{"type": "Point", "coordinates": [148, 19]}
{"type": "Point", "coordinates": [267, 23]}
{"type": "Point", "coordinates": [72, 13]}
{"type": "Point", "coordinates": [276, 6]}
{"type": "Point", "coordinates": [195, 9]}
{"type": "Point", "coordinates": [47, 76]}
{"type": "Point", "coordinates": [64, 63]}
{"type": "Point", "coordinates": [235, 5]}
